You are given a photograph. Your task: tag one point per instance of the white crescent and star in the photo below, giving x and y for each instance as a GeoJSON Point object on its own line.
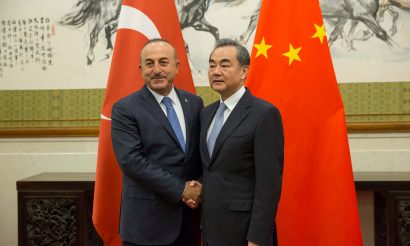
{"type": "Point", "coordinates": [134, 19]}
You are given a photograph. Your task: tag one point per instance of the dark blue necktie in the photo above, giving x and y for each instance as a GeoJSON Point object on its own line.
{"type": "Point", "coordinates": [173, 120]}
{"type": "Point", "coordinates": [219, 121]}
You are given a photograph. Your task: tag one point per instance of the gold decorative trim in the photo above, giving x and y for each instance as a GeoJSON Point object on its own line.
{"type": "Point", "coordinates": [94, 131]}
{"type": "Point", "coordinates": [49, 132]}
{"type": "Point", "coordinates": [379, 126]}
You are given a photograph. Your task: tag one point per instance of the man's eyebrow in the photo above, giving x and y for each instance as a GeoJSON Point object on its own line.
{"type": "Point", "coordinates": [223, 60]}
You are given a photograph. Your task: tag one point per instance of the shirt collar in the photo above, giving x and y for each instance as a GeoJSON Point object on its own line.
{"type": "Point", "coordinates": [231, 101]}
{"type": "Point", "coordinates": [158, 97]}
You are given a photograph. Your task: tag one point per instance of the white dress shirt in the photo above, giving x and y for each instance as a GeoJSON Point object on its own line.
{"type": "Point", "coordinates": [175, 103]}
{"type": "Point", "coordinates": [230, 104]}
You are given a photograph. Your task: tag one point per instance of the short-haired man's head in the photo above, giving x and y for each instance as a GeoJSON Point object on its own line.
{"type": "Point", "coordinates": [159, 65]}
{"type": "Point", "coordinates": [242, 53]}
{"type": "Point", "coordinates": [155, 40]}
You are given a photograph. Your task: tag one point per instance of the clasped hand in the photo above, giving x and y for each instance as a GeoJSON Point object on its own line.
{"type": "Point", "coordinates": [192, 193]}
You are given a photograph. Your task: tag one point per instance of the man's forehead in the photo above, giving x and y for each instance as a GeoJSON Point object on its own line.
{"type": "Point", "coordinates": [226, 53]}
{"type": "Point", "coordinates": [155, 56]}
{"type": "Point", "coordinates": [157, 49]}
{"type": "Point", "coordinates": [157, 45]}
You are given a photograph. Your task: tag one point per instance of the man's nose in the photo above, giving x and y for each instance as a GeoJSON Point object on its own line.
{"type": "Point", "coordinates": [216, 70]}
{"type": "Point", "coordinates": [157, 68]}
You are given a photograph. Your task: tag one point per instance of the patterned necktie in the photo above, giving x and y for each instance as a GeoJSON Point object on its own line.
{"type": "Point", "coordinates": [219, 120]}
{"type": "Point", "coordinates": [173, 120]}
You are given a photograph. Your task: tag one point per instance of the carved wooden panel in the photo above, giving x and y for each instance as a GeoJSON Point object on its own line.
{"type": "Point", "coordinates": [50, 221]}
{"type": "Point", "coordinates": [403, 220]}
{"type": "Point", "coordinates": [50, 218]}
{"type": "Point", "coordinates": [392, 218]}
{"type": "Point", "coordinates": [56, 209]}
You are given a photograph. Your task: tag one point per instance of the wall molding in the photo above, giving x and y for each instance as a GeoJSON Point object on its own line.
{"type": "Point", "coordinates": [49, 132]}
{"type": "Point", "coordinates": [94, 131]}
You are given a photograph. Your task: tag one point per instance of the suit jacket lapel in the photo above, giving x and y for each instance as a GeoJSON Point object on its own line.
{"type": "Point", "coordinates": [153, 107]}
{"type": "Point", "coordinates": [239, 113]}
{"type": "Point", "coordinates": [206, 122]}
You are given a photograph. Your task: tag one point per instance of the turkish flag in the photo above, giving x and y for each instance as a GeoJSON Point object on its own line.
{"type": "Point", "coordinates": [139, 21]}
{"type": "Point", "coordinates": [291, 67]}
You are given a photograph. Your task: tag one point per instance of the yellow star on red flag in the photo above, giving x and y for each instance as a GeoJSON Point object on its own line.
{"type": "Point", "coordinates": [292, 54]}
{"type": "Point", "coordinates": [262, 48]}
{"type": "Point", "coordinates": [320, 32]}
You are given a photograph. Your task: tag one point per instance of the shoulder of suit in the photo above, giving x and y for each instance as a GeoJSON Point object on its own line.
{"type": "Point", "coordinates": [130, 97]}
{"type": "Point", "coordinates": [262, 107]}
{"type": "Point", "coordinates": [262, 103]}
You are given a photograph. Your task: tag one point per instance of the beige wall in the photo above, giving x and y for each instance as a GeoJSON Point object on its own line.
{"type": "Point", "coordinates": [21, 158]}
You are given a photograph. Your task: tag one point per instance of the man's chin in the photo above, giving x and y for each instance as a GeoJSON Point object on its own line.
{"type": "Point", "coordinates": [160, 88]}
{"type": "Point", "coordinates": [218, 86]}
{"type": "Point", "coordinates": [159, 81]}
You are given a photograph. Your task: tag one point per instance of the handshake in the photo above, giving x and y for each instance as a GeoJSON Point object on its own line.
{"type": "Point", "coordinates": [192, 193]}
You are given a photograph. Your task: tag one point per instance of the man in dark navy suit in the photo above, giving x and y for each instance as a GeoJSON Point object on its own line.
{"type": "Point", "coordinates": [242, 155]}
{"type": "Point", "coordinates": [155, 135]}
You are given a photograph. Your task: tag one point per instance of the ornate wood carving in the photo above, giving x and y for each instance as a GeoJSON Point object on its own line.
{"type": "Point", "coordinates": [56, 209]}
{"type": "Point", "coordinates": [51, 221]}
{"type": "Point", "coordinates": [403, 223]}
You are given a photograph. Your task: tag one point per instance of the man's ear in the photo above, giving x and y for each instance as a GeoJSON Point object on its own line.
{"type": "Point", "coordinates": [177, 65]}
{"type": "Point", "coordinates": [245, 70]}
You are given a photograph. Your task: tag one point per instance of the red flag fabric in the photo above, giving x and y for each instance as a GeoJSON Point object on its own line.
{"type": "Point", "coordinates": [291, 67]}
{"type": "Point", "coordinates": [138, 22]}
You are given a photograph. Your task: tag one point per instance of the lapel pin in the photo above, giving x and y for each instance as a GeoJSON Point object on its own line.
{"type": "Point", "coordinates": [186, 100]}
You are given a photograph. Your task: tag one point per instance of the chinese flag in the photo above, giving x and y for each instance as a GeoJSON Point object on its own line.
{"type": "Point", "coordinates": [291, 67]}
{"type": "Point", "coordinates": [138, 22]}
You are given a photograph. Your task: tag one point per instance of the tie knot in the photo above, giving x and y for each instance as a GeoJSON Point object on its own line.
{"type": "Point", "coordinates": [221, 107]}
{"type": "Point", "coordinates": [167, 101]}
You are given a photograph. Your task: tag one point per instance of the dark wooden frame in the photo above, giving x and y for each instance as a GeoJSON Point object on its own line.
{"type": "Point", "coordinates": [75, 187]}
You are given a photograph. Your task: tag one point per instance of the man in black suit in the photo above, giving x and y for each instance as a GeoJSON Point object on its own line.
{"type": "Point", "coordinates": [242, 155]}
{"type": "Point", "coordinates": [155, 135]}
